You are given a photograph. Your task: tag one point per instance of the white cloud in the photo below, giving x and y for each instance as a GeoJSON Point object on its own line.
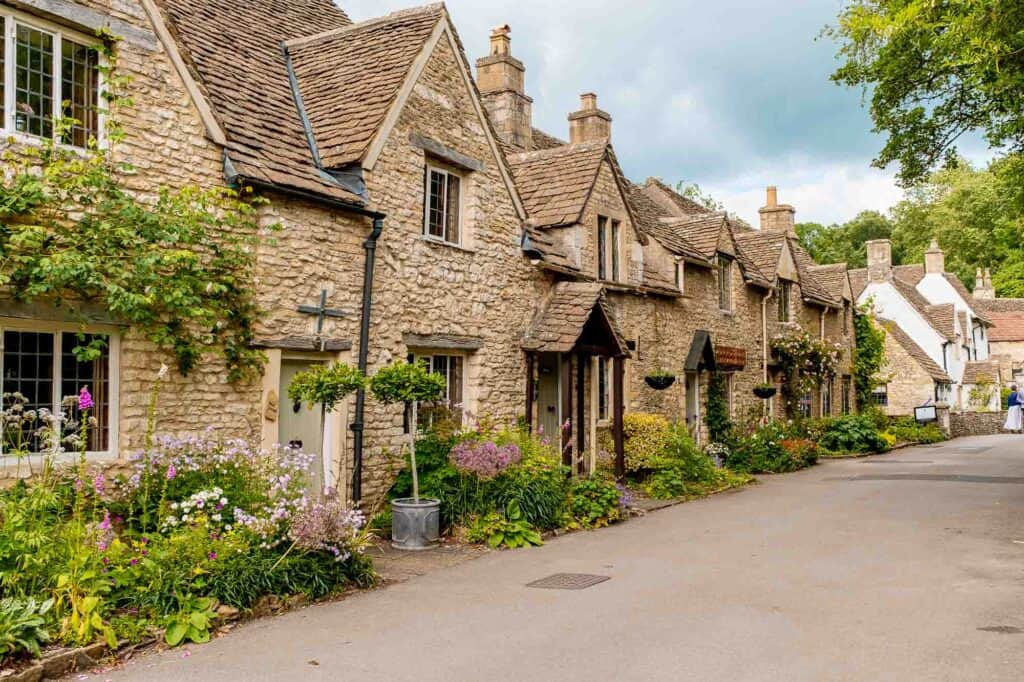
{"type": "Point", "coordinates": [821, 192]}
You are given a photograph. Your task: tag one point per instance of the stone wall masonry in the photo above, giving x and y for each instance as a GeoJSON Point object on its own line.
{"type": "Point", "coordinates": [964, 424]}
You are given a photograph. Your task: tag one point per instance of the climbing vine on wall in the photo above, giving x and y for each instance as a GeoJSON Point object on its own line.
{"type": "Point", "coordinates": [805, 363]}
{"type": "Point", "coordinates": [868, 356]}
{"type": "Point", "coordinates": [717, 417]}
{"type": "Point", "coordinates": [176, 264]}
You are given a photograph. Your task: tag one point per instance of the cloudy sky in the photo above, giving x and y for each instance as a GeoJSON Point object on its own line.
{"type": "Point", "coordinates": [732, 95]}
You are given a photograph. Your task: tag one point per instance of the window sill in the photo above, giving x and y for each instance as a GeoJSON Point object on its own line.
{"type": "Point", "coordinates": [9, 464]}
{"type": "Point", "coordinates": [18, 137]}
{"type": "Point", "coordinates": [440, 242]}
{"type": "Point", "coordinates": [727, 313]}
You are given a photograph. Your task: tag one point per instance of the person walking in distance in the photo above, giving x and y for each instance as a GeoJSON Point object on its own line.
{"type": "Point", "coordinates": [1014, 415]}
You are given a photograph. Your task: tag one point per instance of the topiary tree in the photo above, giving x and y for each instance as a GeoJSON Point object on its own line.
{"type": "Point", "coordinates": [327, 385]}
{"type": "Point", "coordinates": [409, 384]}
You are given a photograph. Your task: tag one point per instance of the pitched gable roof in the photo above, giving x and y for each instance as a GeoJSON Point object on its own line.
{"type": "Point", "coordinates": [671, 199]}
{"type": "Point", "coordinates": [832, 278]}
{"type": "Point", "coordinates": [1007, 315]}
{"type": "Point", "coordinates": [555, 183]}
{"type": "Point", "coordinates": [810, 287]}
{"type": "Point", "coordinates": [649, 216]}
{"type": "Point", "coordinates": [942, 317]}
{"type": "Point", "coordinates": [233, 48]}
{"type": "Point", "coordinates": [762, 249]}
{"type": "Point", "coordinates": [981, 372]}
{"type": "Point", "coordinates": [565, 318]}
{"type": "Point", "coordinates": [350, 77]}
{"type": "Point", "coordinates": [914, 351]}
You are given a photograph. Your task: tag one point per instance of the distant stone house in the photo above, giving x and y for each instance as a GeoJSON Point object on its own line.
{"type": "Point", "coordinates": [941, 320]}
{"type": "Point", "coordinates": [528, 271]}
{"type": "Point", "coordinates": [1006, 337]}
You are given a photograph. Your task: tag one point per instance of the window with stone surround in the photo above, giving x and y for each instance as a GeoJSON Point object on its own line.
{"type": "Point", "coordinates": [40, 364]}
{"type": "Point", "coordinates": [442, 212]}
{"type": "Point", "coordinates": [880, 396]}
{"type": "Point", "coordinates": [48, 73]}
{"type": "Point", "coordinates": [805, 405]}
{"type": "Point", "coordinates": [725, 283]}
{"type": "Point", "coordinates": [826, 398]}
{"type": "Point", "coordinates": [681, 276]}
{"type": "Point", "coordinates": [784, 294]}
{"type": "Point", "coordinates": [452, 368]}
{"type": "Point", "coordinates": [615, 250]}
{"type": "Point", "coordinates": [604, 389]}
{"type": "Point", "coordinates": [602, 247]}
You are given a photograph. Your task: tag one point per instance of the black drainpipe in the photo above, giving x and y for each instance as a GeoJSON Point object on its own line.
{"type": "Point", "coordinates": [370, 246]}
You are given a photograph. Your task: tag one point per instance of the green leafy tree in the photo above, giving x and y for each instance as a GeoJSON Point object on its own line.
{"type": "Point", "coordinates": [693, 192]}
{"type": "Point", "coordinates": [935, 70]}
{"type": "Point", "coordinates": [845, 243]}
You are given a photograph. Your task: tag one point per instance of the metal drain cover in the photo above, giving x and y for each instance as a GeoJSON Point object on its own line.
{"type": "Point", "coordinates": [568, 581]}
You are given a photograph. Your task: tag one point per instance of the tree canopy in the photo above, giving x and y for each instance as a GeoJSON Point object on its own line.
{"type": "Point", "coordinates": [935, 70]}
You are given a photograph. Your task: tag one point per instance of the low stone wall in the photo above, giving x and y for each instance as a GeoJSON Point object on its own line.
{"type": "Point", "coordinates": [963, 424]}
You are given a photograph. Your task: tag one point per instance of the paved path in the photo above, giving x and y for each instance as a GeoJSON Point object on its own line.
{"type": "Point", "coordinates": [903, 567]}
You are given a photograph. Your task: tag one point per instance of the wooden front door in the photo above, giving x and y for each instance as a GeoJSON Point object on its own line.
{"type": "Point", "coordinates": [299, 426]}
{"type": "Point", "coordinates": [549, 417]}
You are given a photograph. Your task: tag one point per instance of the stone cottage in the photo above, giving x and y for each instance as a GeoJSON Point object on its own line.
{"type": "Point", "coordinates": [940, 321]}
{"type": "Point", "coordinates": [1006, 337]}
{"type": "Point", "coordinates": [416, 214]}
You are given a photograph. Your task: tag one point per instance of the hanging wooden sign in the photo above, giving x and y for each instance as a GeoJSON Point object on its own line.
{"type": "Point", "coordinates": [730, 358]}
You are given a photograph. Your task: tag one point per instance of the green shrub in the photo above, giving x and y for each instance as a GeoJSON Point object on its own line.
{"type": "Point", "coordinates": [645, 437]}
{"type": "Point", "coordinates": [907, 430]}
{"type": "Point", "coordinates": [771, 449]}
{"type": "Point", "coordinates": [853, 433]}
{"type": "Point", "coordinates": [23, 627]}
{"type": "Point", "coordinates": [510, 529]}
{"type": "Point", "coordinates": [593, 503]}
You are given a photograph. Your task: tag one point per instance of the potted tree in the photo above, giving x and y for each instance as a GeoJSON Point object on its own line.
{"type": "Point", "coordinates": [415, 522]}
{"type": "Point", "coordinates": [660, 379]}
{"type": "Point", "coordinates": [326, 385]}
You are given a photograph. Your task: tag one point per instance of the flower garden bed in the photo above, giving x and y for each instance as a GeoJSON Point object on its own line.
{"type": "Point", "coordinates": [197, 531]}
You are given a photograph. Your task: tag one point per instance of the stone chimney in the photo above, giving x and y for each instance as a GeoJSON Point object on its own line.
{"type": "Point", "coordinates": [776, 217]}
{"type": "Point", "coordinates": [500, 78]}
{"type": "Point", "coordinates": [934, 260]}
{"type": "Point", "coordinates": [983, 288]}
{"type": "Point", "coordinates": [589, 124]}
{"type": "Point", "coordinates": [879, 260]}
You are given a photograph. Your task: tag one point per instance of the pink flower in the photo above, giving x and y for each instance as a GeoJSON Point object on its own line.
{"type": "Point", "coordinates": [85, 399]}
{"type": "Point", "coordinates": [211, 556]}
{"type": "Point", "coordinates": [171, 472]}
{"type": "Point", "coordinates": [99, 484]}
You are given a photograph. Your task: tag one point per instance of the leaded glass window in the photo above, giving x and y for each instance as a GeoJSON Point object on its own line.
{"type": "Point", "coordinates": [79, 92]}
{"type": "Point", "coordinates": [33, 75]}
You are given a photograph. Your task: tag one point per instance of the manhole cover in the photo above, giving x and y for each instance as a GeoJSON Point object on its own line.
{"type": "Point", "coordinates": [1002, 629]}
{"type": "Point", "coordinates": [568, 581]}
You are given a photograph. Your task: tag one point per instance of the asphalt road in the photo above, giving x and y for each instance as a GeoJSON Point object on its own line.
{"type": "Point", "coordinates": [904, 567]}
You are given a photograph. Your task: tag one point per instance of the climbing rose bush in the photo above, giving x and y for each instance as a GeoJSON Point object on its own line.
{"type": "Point", "coordinates": [484, 459]}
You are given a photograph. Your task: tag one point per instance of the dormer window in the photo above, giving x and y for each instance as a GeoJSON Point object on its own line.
{"type": "Point", "coordinates": [784, 292]}
{"type": "Point", "coordinates": [47, 74]}
{"type": "Point", "coordinates": [725, 284]}
{"type": "Point", "coordinates": [443, 209]}
{"type": "Point", "coordinates": [608, 232]}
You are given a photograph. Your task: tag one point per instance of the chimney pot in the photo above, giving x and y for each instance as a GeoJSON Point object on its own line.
{"type": "Point", "coordinates": [501, 80]}
{"type": "Point", "coordinates": [934, 259]}
{"type": "Point", "coordinates": [879, 260]}
{"type": "Point", "coordinates": [589, 124]}
{"type": "Point", "coordinates": [501, 43]}
{"type": "Point", "coordinates": [773, 196]}
{"type": "Point", "coordinates": [776, 217]}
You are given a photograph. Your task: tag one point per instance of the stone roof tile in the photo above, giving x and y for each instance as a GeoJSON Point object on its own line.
{"type": "Point", "coordinates": [984, 371]}
{"type": "Point", "coordinates": [554, 183]}
{"type": "Point", "coordinates": [558, 327]}
{"type": "Point", "coordinates": [234, 49]}
{"type": "Point", "coordinates": [1007, 316]}
{"type": "Point", "coordinates": [915, 351]}
{"type": "Point", "coordinates": [942, 318]}
{"type": "Point", "coordinates": [350, 77]}
{"type": "Point", "coordinates": [832, 277]}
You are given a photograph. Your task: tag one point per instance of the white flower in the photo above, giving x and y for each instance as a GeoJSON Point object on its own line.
{"type": "Point", "coordinates": [215, 517]}
{"type": "Point", "coordinates": [174, 505]}
{"type": "Point", "coordinates": [223, 500]}
{"type": "Point", "coordinates": [163, 371]}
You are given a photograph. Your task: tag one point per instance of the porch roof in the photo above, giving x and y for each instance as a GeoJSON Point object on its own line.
{"type": "Point", "coordinates": [576, 318]}
{"type": "Point", "coordinates": [702, 353]}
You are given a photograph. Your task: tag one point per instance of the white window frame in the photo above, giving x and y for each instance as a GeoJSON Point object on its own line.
{"type": "Point", "coordinates": [12, 18]}
{"type": "Point", "coordinates": [446, 172]}
{"type": "Point", "coordinates": [113, 383]}
{"type": "Point", "coordinates": [428, 357]}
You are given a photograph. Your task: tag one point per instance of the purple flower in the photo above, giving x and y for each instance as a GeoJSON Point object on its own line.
{"type": "Point", "coordinates": [99, 484]}
{"type": "Point", "coordinates": [85, 399]}
{"type": "Point", "coordinates": [133, 562]}
{"type": "Point", "coordinates": [484, 460]}
{"type": "Point", "coordinates": [211, 556]}
{"type": "Point", "coordinates": [171, 472]}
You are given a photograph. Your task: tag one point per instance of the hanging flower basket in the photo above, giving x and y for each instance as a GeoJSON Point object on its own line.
{"type": "Point", "coordinates": [660, 381]}
{"type": "Point", "coordinates": [765, 391]}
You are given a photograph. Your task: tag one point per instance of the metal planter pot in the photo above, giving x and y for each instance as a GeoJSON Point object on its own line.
{"type": "Point", "coordinates": [415, 525]}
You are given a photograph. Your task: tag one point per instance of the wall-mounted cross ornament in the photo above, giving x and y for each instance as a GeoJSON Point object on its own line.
{"type": "Point", "coordinates": [322, 312]}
